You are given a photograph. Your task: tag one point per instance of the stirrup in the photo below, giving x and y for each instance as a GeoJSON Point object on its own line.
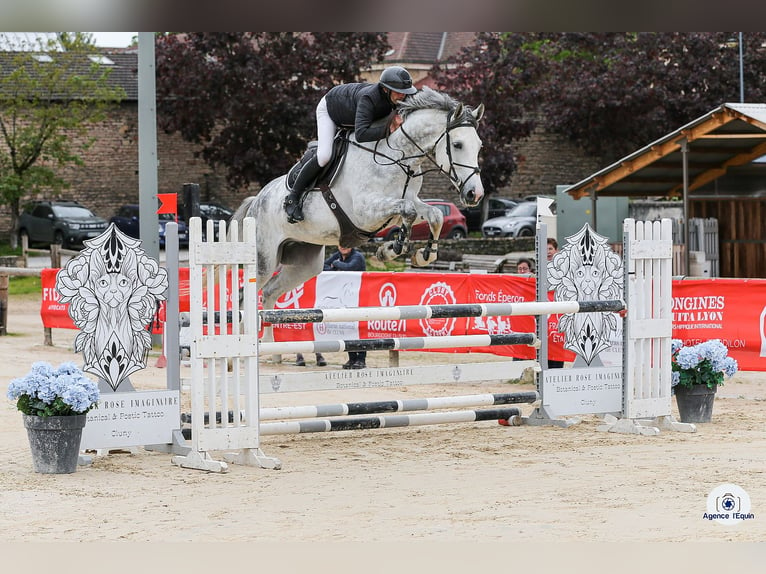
{"type": "Point", "coordinates": [293, 209]}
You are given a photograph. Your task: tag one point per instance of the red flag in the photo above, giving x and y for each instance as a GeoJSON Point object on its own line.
{"type": "Point", "coordinates": [168, 203]}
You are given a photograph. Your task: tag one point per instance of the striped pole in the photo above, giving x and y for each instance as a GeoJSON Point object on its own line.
{"type": "Point", "coordinates": [282, 316]}
{"type": "Point", "coordinates": [389, 421]}
{"type": "Point", "coordinates": [404, 343]}
{"type": "Point", "coordinates": [393, 406]}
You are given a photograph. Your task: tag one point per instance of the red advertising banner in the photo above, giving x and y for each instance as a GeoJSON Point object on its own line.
{"type": "Point", "coordinates": [733, 310]}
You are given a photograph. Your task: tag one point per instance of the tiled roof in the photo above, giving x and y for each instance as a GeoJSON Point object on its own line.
{"type": "Point", "coordinates": [124, 69]}
{"type": "Point", "coordinates": [426, 47]}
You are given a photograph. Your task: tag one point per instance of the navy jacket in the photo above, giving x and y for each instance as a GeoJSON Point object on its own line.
{"type": "Point", "coordinates": [354, 262]}
{"type": "Point", "coordinates": [359, 105]}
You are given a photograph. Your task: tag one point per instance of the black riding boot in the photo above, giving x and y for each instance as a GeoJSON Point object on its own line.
{"type": "Point", "coordinates": [293, 200]}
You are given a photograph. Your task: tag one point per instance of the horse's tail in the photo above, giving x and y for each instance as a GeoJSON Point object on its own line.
{"type": "Point", "coordinates": [243, 210]}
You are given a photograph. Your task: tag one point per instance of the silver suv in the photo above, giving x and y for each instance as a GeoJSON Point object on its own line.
{"type": "Point", "coordinates": [521, 221]}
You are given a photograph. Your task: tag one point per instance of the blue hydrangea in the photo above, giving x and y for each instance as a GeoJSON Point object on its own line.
{"type": "Point", "coordinates": [704, 363]}
{"type": "Point", "coordinates": [46, 391]}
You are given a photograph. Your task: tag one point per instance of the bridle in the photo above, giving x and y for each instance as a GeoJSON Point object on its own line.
{"type": "Point", "coordinates": [466, 120]}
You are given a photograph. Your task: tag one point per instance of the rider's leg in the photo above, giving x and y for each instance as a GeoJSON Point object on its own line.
{"type": "Point", "coordinates": [326, 129]}
{"type": "Point", "coordinates": [293, 200]}
{"type": "Point", "coordinates": [325, 135]}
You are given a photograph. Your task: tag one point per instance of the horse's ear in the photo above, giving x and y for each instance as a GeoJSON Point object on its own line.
{"type": "Point", "coordinates": [478, 112]}
{"type": "Point", "coordinates": [457, 114]}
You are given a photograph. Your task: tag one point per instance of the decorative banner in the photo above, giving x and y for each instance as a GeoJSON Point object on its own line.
{"type": "Point", "coordinates": [733, 310]}
{"type": "Point", "coordinates": [112, 288]}
{"type": "Point", "coordinates": [586, 269]}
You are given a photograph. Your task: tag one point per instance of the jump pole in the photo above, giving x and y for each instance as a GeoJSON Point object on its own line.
{"type": "Point", "coordinates": [407, 312]}
{"type": "Point", "coordinates": [390, 421]}
{"type": "Point", "coordinates": [391, 406]}
{"type": "Point", "coordinates": [403, 343]}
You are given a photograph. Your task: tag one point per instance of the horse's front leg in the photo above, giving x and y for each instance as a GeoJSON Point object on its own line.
{"type": "Point", "coordinates": [435, 219]}
{"type": "Point", "coordinates": [400, 244]}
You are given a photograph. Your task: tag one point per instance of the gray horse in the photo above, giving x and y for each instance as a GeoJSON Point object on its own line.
{"type": "Point", "coordinates": [377, 186]}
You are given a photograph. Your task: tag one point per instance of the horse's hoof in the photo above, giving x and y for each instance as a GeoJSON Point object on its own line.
{"type": "Point", "coordinates": [419, 261]}
{"type": "Point", "coordinates": [385, 252]}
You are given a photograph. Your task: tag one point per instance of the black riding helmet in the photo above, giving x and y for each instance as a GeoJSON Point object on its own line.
{"type": "Point", "coordinates": [397, 79]}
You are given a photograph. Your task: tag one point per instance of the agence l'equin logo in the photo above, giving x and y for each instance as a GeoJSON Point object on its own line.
{"type": "Point", "coordinates": [728, 504]}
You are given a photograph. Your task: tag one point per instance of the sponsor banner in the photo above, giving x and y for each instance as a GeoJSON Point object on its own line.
{"type": "Point", "coordinates": [302, 297]}
{"type": "Point", "coordinates": [132, 419]}
{"type": "Point", "coordinates": [55, 315]}
{"type": "Point", "coordinates": [337, 291]}
{"type": "Point", "coordinates": [483, 289]}
{"type": "Point", "coordinates": [398, 290]}
{"type": "Point", "coordinates": [582, 391]}
{"type": "Point", "coordinates": [732, 310]}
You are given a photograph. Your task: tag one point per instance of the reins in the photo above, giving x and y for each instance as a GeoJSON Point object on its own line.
{"type": "Point", "coordinates": [428, 154]}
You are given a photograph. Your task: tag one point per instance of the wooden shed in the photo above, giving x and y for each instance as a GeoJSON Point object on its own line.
{"type": "Point", "coordinates": [716, 166]}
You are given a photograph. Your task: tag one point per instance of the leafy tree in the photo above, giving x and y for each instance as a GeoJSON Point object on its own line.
{"type": "Point", "coordinates": [50, 92]}
{"type": "Point", "coordinates": [613, 93]}
{"type": "Point", "coordinates": [610, 93]}
{"type": "Point", "coordinates": [499, 71]}
{"type": "Point", "coordinates": [248, 98]}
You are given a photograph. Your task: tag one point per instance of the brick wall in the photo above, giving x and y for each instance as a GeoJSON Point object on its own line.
{"type": "Point", "coordinates": [110, 175]}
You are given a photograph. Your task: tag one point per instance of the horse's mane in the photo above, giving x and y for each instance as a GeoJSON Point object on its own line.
{"type": "Point", "coordinates": [430, 99]}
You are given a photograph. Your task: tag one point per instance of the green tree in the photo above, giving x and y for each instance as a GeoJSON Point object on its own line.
{"type": "Point", "coordinates": [248, 98]}
{"type": "Point", "coordinates": [614, 93]}
{"type": "Point", "coordinates": [503, 73]}
{"type": "Point", "coordinates": [609, 93]}
{"type": "Point", "coordinates": [50, 94]}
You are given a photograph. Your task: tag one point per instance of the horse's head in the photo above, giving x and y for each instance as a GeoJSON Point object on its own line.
{"type": "Point", "coordinates": [452, 144]}
{"type": "Point", "coordinates": [458, 153]}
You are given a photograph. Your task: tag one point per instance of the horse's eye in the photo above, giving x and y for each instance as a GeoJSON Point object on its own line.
{"type": "Point", "coordinates": [457, 145]}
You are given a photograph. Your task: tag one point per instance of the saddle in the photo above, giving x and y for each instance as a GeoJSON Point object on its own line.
{"type": "Point", "coordinates": [350, 234]}
{"type": "Point", "coordinates": [327, 173]}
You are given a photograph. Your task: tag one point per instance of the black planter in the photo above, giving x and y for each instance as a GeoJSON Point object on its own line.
{"type": "Point", "coordinates": [54, 442]}
{"type": "Point", "coordinates": [695, 403]}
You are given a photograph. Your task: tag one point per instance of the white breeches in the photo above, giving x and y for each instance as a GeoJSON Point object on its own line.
{"type": "Point", "coordinates": [325, 133]}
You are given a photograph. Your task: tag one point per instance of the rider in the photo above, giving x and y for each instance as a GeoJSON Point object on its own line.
{"type": "Point", "coordinates": [355, 104]}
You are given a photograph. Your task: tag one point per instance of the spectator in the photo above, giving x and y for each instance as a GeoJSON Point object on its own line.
{"type": "Point", "coordinates": [524, 266]}
{"type": "Point", "coordinates": [553, 248]}
{"type": "Point", "coordinates": [349, 259]}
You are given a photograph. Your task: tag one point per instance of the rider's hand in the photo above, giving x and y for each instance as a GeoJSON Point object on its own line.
{"type": "Point", "coordinates": [396, 121]}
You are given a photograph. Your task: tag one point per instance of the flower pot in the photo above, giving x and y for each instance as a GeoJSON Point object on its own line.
{"type": "Point", "coordinates": [55, 442]}
{"type": "Point", "coordinates": [695, 403]}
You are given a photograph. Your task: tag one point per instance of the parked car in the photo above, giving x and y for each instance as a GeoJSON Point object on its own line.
{"type": "Point", "coordinates": [454, 224]}
{"type": "Point", "coordinates": [521, 221]}
{"type": "Point", "coordinates": [215, 212]}
{"type": "Point", "coordinates": [127, 220]}
{"type": "Point", "coordinates": [66, 223]}
{"type": "Point", "coordinates": [498, 206]}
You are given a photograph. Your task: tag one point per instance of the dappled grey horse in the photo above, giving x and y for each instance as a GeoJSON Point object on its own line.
{"type": "Point", "coordinates": [376, 186]}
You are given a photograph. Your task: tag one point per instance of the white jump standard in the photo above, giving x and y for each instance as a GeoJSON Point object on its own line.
{"type": "Point", "coordinates": [586, 320]}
